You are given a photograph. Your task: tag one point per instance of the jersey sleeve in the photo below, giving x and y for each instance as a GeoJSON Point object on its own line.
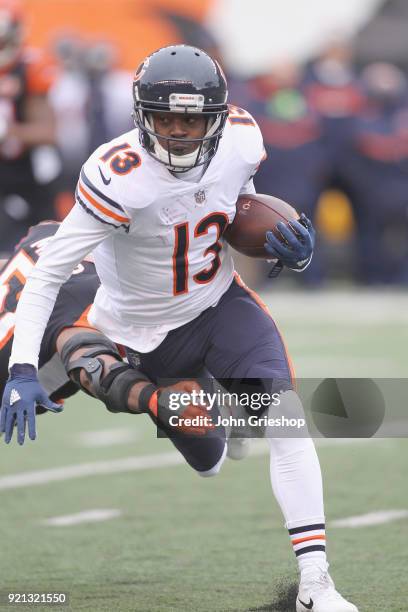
{"type": "Point", "coordinates": [73, 301]}
{"type": "Point", "coordinates": [97, 196]}
{"type": "Point", "coordinates": [248, 188]}
{"type": "Point", "coordinates": [248, 142]}
{"type": "Point", "coordinates": [78, 235]}
{"type": "Point", "coordinates": [120, 178]}
{"type": "Point", "coordinates": [256, 168]}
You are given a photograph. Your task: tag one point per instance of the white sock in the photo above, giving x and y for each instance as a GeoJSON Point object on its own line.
{"type": "Point", "coordinates": [297, 485]}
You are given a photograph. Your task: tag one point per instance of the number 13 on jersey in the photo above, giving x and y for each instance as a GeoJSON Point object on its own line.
{"type": "Point", "coordinates": [181, 248]}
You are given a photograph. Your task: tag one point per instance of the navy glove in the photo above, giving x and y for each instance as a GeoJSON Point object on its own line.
{"type": "Point", "coordinates": [296, 248]}
{"type": "Point", "coordinates": [21, 395]}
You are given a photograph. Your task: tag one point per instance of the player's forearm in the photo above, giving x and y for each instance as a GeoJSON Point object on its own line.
{"type": "Point", "coordinates": [77, 236]}
{"type": "Point", "coordinates": [33, 311]}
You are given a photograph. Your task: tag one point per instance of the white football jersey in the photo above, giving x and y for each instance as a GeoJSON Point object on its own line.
{"type": "Point", "coordinates": [159, 251]}
{"type": "Point", "coordinates": [166, 262]}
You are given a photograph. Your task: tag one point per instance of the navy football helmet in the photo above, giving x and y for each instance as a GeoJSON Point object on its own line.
{"type": "Point", "coordinates": [180, 79]}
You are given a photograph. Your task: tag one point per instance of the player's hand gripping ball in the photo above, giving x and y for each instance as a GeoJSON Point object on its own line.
{"type": "Point", "coordinates": [269, 228]}
{"type": "Point", "coordinates": [294, 247]}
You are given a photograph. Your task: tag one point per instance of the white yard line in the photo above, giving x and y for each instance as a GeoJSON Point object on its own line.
{"type": "Point", "coordinates": [106, 437]}
{"type": "Point", "coordinates": [129, 464]}
{"type": "Point", "coordinates": [372, 518]}
{"type": "Point", "coordinates": [88, 516]}
{"type": "Point", "coordinates": [81, 470]}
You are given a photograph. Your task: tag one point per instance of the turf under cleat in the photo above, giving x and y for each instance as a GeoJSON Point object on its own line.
{"type": "Point", "coordinates": [317, 593]}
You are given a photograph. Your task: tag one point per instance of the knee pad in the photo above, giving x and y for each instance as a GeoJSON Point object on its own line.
{"type": "Point", "coordinates": [113, 389]}
{"type": "Point", "coordinates": [98, 345]}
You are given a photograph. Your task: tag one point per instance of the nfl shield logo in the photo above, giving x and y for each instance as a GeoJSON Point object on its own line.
{"type": "Point", "coordinates": [133, 358]}
{"type": "Point", "coordinates": [200, 197]}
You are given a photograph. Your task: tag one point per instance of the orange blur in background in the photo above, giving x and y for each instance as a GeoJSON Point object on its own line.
{"type": "Point", "coordinates": [136, 27]}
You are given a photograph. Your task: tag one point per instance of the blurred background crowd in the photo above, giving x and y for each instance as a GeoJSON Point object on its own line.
{"type": "Point", "coordinates": [335, 121]}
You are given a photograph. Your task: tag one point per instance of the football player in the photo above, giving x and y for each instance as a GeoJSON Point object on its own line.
{"type": "Point", "coordinates": [154, 203]}
{"type": "Point", "coordinates": [26, 123]}
{"type": "Point", "coordinates": [75, 356]}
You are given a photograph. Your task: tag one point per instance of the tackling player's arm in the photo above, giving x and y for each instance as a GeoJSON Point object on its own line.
{"type": "Point", "coordinates": [93, 362]}
{"type": "Point", "coordinates": [78, 234]}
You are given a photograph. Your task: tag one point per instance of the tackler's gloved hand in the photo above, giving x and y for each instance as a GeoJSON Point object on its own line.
{"type": "Point", "coordinates": [296, 247]}
{"type": "Point", "coordinates": [22, 394]}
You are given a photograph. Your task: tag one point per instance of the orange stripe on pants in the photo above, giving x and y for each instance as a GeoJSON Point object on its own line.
{"type": "Point", "coordinates": [264, 307]}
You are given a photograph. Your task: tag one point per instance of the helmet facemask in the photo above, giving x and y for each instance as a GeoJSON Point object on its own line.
{"type": "Point", "coordinates": [159, 146]}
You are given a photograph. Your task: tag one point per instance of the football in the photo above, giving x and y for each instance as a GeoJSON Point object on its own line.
{"type": "Point", "coordinates": [256, 214]}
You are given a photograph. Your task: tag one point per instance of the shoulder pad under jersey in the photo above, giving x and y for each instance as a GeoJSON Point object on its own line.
{"type": "Point", "coordinates": [116, 179]}
{"type": "Point", "coordinates": [247, 138]}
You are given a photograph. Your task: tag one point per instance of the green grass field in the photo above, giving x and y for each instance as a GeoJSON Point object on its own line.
{"type": "Point", "coordinates": [181, 543]}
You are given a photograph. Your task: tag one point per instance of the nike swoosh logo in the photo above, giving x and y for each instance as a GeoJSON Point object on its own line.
{"type": "Point", "coordinates": [106, 181]}
{"type": "Point", "coordinates": [308, 606]}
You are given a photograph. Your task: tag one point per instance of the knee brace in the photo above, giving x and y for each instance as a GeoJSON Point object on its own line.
{"type": "Point", "coordinates": [113, 389]}
{"type": "Point", "coordinates": [98, 344]}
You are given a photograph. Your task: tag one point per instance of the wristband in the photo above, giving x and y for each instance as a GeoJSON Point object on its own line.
{"type": "Point", "coordinates": [23, 369]}
{"type": "Point", "coordinates": [145, 397]}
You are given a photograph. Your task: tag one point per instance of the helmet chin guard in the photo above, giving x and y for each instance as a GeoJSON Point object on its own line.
{"type": "Point", "coordinates": [181, 163]}
{"type": "Point", "coordinates": [180, 79]}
